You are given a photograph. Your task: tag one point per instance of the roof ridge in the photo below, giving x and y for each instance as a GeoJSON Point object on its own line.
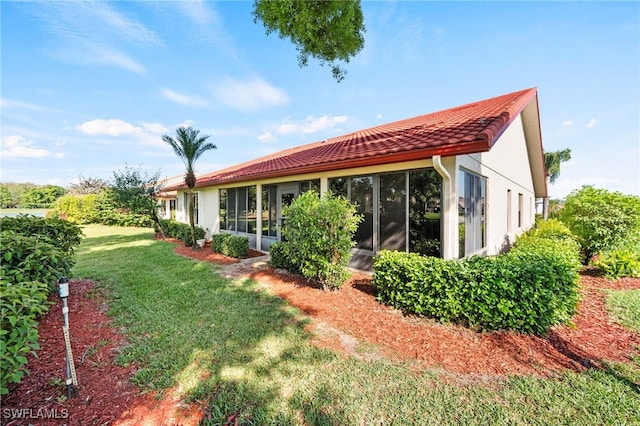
{"type": "Point", "coordinates": [471, 127]}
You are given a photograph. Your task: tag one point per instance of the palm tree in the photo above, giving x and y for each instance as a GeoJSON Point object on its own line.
{"type": "Point", "coordinates": [552, 161]}
{"type": "Point", "coordinates": [189, 146]}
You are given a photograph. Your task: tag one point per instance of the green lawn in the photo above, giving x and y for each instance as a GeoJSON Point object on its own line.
{"type": "Point", "coordinates": [243, 350]}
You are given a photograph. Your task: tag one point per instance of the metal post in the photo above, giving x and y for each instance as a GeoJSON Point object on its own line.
{"type": "Point", "coordinates": [72, 380]}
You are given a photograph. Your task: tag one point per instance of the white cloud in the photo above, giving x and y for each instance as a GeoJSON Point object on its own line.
{"type": "Point", "coordinates": [183, 99]}
{"type": "Point", "coordinates": [378, 116]}
{"type": "Point", "coordinates": [121, 25]}
{"type": "Point", "coordinates": [266, 137]}
{"type": "Point", "coordinates": [16, 146]}
{"type": "Point", "coordinates": [157, 128]}
{"type": "Point", "coordinates": [566, 123]}
{"type": "Point", "coordinates": [112, 127]}
{"type": "Point", "coordinates": [310, 125]}
{"type": "Point", "coordinates": [592, 123]}
{"type": "Point", "coordinates": [250, 95]}
{"type": "Point", "coordinates": [147, 133]}
{"type": "Point", "coordinates": [198, 12]}
{"type": "Point", "coordinates": [11, 103]}
{"type": "Point", "coordinates": [109, 56]}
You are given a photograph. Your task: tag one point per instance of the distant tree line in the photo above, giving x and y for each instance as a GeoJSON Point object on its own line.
{"type": "Point", "coordinates": [29, 195]}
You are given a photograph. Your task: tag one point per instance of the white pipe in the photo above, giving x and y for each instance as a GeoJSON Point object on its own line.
{"type": "Point", "coordinates": [449, 230]}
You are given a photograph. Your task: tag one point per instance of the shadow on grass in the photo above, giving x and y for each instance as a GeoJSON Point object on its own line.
{"type": "Point", "coordinates": [223, 343]}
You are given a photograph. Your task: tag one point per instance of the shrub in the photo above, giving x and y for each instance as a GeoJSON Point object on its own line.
{"type": "Point", "coordinates": [319, 232]}
{"type": "Point", "coordinates": [20, 306]}
{"type": "Point", "coordinates": [601, 220]}
{"type": "Point", "coordinates": [280, 256]}
{"type": "Point", "coordinates": [551, 229]}
{"type": "Point", "coordinates": [529, 289]}
{"type": "Point", "coordinates": [34, 253]}
{"type": "Point", "coordinates": [78, 208]}
{"type": "Point", "coordinates": [619, 263]}
{"type": "Point", "coordinates": [185, 234]}
{"type": "Point", "coordinates": [60, 233]}
{"type": "Point", "coordinates": [230, 245]}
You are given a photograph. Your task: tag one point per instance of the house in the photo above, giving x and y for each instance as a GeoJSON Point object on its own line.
{"type": "Point", "coordinates": [453, 183]}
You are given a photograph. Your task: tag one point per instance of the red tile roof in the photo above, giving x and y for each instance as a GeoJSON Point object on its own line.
{"type": "Point", "coordinates": [465, 129]}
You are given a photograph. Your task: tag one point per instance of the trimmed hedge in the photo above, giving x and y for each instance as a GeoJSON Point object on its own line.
{"type": "Point", "coordinates": [20, 305]}
{"type": "Point", "coordinates": [230, 245]}
{"type": "Point", "coordinates": [180, 231]}
{"type": "Point", "coordinates": [34, 253]}
{"type": "Point", "coordinates": [280, 256]}
{"type": "Point", "coordinates": [529, 289]}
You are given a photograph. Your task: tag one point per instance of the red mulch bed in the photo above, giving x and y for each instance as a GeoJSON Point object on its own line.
{"type": "Point", "coordinates": [343, 320]}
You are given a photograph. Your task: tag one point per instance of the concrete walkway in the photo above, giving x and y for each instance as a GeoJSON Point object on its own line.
{"type": "Point", "coordinates": [246, 267]}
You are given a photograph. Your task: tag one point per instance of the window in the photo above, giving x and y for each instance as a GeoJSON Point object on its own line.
{"type": "Point", "coordinates": [309, 185]}
{"type": "Point", "coordinates": [269, 210]}
{"type": "Point", "coordinates": [425, 189]}
{"type": "Point", "coordinates": [520, 212]}
{"type": "Point", "coordinates": [508, 210]}
{"type": "Point", "coordinates": [393, 211]}
{"type": "Point", "coordinates": [400, 217]}
{"type": "Point", "coordinates": [238, 209]}
{"type": "Point", "coordinates": [471, 212]}
{"type": "Point", "coordinates": [242, 209]}
{"type": "Point", "coordinates": [172, 209]}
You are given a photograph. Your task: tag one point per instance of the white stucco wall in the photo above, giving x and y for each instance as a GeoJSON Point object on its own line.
{"type": "Point", "coordinates": [506, 167]}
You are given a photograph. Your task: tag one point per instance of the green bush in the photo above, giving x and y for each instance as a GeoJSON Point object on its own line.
{"type": "Point", "coordinates": [551, 229]}
{"type": "Point", "coordinates": [230, 245]}
{"type": "Point", "coordinates": [185, 234]}
{"type": "Point", "coordinates": [619, 263]}
{"type": "Point", "coordinates": [78, 208]}
{"type": "Point", "coordinates": [60, 233]}
{"type": "Point", "coordinates": [529, 289]}
{"type": "Point", "coordinates": [20, 307]}
{"type": "Point", "coordinates": [280, 256]}
{"type": "Point", "coordinates": [601, 220]}
{"type": "Point", "coordinates": [34, 253]}
{"type": "Point", "coordinates": [319, 233]}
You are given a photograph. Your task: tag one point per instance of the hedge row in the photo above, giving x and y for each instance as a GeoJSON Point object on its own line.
{"type": "Point", "coordinates": [230, 245]}
{"type": "Point", "coordinates": [34, 253]}
{"type": "Point", "coordinates": [529, 289]}
{"type": "Point", "coordinates": [97, 208]}
{"type": "Point", "coordinates": [181, 231]}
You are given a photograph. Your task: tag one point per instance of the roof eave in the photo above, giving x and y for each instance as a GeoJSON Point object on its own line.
{"type": "Point", "coordinates": [475, 146]}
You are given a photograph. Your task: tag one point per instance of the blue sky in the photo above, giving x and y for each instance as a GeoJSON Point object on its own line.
{"type": "Point", "coordinates": [90, 87]}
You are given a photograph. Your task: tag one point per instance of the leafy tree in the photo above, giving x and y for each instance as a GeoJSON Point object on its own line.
{"type": "Point", "coordinates": [41, 196]}
{"type": "Point", "coordinates": [17, 190]}
{"type": "Point", "coordinates": [189, 146]}
{"type": "Point", "coordinates": [319, 237]}
{"type": "Point", "coordinates": [330, 31]}
{"type": "Point", "coordinates": [601, 220]}
{"type": "Point", "coordinates": [87, 186]}
{"type": "Point", "coordinates": [5, 197]}
{"type": "Point", "coordinates": [552, 161]}
{"type": "Point", "coordinates": [137, 191]}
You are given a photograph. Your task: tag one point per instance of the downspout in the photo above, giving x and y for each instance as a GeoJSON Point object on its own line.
{"type": "Point", "coordinates": [449, 230]}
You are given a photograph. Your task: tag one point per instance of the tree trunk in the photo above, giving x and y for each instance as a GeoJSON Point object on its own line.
{"type": "Point", "coordinates": [156, 224]}
{"type": "Point", "coordinates": [192, 224]}
{"type": "Point", "coordinates": [545, 208]}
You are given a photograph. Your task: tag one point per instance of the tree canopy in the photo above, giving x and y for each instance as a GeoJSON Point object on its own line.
{"type": "Point", "coordinates": [552, 161]}
{"type": "Point", "coordinates": [137, 191]}
{"type": "Point", "coordinates": [329, 31]}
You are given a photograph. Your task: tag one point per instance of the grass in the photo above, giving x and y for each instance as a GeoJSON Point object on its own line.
{"type": "Point", "coordinates": [246, 353]}
{"type": "Point", "coordinates": [624, 306]}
